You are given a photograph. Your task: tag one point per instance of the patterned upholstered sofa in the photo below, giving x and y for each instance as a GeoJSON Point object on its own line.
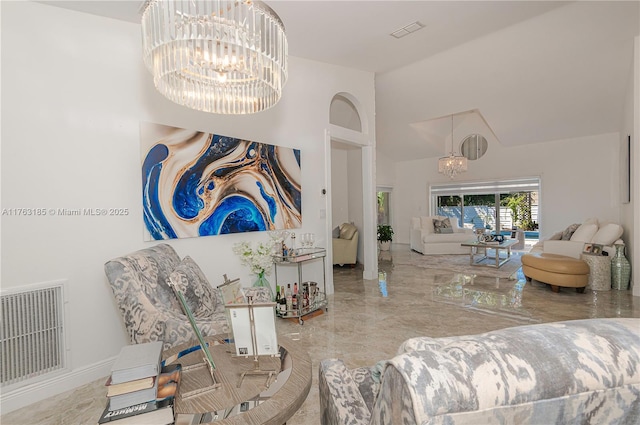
{"type": "Point", "coordinates": [140, 283]}
{"type": "Point", "coordinates": [574, 372]}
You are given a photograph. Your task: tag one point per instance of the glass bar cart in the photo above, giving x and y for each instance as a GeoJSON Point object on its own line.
{"type": "Point", "coordinates": [317, 297]}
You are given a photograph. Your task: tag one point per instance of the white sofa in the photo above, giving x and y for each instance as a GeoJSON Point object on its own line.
{"type": "Point", "coordinates": [425, 240]}
{"type": "Point", "coordinates": [571, 241]}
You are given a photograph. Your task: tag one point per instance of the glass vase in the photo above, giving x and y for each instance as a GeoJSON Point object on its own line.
{"type": "Point", "coordinates": [620, 269]}
{"type": "Point", "coordinates": [262, 282]}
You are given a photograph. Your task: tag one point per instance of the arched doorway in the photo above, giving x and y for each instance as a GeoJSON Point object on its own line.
{"type": "Point", "coordinates": [351, 154]}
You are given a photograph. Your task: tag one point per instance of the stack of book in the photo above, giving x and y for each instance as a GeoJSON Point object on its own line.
{"type": "Point", "coordinates": [139, 390]}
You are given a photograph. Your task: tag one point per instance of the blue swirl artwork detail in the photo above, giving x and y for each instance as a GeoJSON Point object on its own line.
{"type": "Point", "coordinates": [201, 184]}
{"type": "Point", "coordinates": [156, 222]}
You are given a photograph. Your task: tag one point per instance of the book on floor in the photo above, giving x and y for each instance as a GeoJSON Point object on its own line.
{"type": "Point", "coordinates": [129, 386]}
{"type": "Point", "coordinates": [153, 412]}
{"type": "Point", "coordinates": [121, 401]}
{"type": "Point", "coordinates": [137, 361]}
{"type": "Point", "coordinates": [164, 386]}
{"type": "Point", "coordinates": [159, 411]}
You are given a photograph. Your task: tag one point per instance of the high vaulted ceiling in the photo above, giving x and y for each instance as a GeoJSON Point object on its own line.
{"type": "Point", "coordinates": [531, 71]}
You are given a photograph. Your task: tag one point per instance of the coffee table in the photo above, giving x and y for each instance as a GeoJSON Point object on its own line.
{"type": "Point", "coordinates": [480, 248]}
{"type": "Point", "coordinates": [253, 402]}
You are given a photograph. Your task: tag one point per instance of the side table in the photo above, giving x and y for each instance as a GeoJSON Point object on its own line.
{"type": "Point", "coordinates": [251, 403]}
{"type": "Point", "coordinates": [599, 272]}
{"type": "Point", "coordinates": [519, 235]}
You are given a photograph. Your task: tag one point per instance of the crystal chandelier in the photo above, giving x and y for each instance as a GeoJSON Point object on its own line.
{"type": "Point", "coordinates": [225, 57]}
{"type": "Point", "coordinates": [453, 164]}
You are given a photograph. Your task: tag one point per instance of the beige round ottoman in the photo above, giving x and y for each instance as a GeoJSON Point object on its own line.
{"type": "Point", "coordinates": [556, 270]}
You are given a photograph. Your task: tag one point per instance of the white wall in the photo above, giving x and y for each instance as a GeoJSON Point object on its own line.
{"type": "Point", "coordinates": [356, 208]}
{"type": "Point", "coordinates": [74, 92]}
{"type": "Point", "coordinates": [635, 178]}
{"type": "Point", "coordinates": [339, 190]}
{"type": "Point", "coordinates": [385, 175]}
{"type": "Point", "coordinates": [579, 180]}
{"type": "Point", "coordinates": [630, 213]}
{"type": "Point", "coordinates": [626, 128]}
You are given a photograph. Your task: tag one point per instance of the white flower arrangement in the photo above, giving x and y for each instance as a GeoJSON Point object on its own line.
{"type": "Point", "coordinates": [259, 259]}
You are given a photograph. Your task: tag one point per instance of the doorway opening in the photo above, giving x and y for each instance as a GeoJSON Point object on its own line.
{"type": "Point", "coordinates": [383, 206]}
{"type": "Point", "coordinates": [350, 156]}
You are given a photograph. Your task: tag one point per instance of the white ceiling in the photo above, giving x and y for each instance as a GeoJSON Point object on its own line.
{"type": "Point", "coordinates": [534, 71]}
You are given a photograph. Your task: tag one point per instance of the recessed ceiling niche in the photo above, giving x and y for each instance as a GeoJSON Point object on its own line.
{"type": "Point", "coordinates": [344, 114]}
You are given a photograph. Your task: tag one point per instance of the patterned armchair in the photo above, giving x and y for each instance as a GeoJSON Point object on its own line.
{"type": "Point", "coordinates": [574, 372]}
{"type": "Point", "coordinates": [140, 282]}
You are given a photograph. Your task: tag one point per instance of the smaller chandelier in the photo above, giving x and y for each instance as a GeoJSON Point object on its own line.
{"type": "Point", "coordinates": [220, 56]}
{"type": "Point", "coordinates": [453, 164]}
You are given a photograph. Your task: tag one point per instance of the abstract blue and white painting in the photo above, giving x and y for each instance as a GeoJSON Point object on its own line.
{"type": "Point", "coordinates": [200, 184]}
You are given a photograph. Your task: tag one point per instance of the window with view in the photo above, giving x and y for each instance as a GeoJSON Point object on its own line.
{"type": "Point", "coordinates": [500, 206]}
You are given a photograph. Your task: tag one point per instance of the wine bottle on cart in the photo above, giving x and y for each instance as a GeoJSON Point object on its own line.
{"type": "Point", "coordinates": [282, 306]}
{"type": "Point", "coordinates": [289, 298]}
{"type": "Point", "coordinates": [295, 296]}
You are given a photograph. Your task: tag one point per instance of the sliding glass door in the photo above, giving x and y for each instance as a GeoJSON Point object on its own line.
{"type": "Point", "coordinates": [499, 206]}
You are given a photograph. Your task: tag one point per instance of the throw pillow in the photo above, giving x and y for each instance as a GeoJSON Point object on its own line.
{"type": "Point", "coordinates": [584, 233]}
{"type": "Point", "coordinates": [607, 234]}
{"type": "Point", "coordinates": [347, 230]}
{"type": "Point", "coordinates": [568, 232]}
{"type": "Point", "coordinates": [199, 295]}
{"type": "Point", "coordinates": [442, 226]}
{"type": "Point", "coordinates": [336, 233]}
{"type": "Point", "coordinates": [557, 236]}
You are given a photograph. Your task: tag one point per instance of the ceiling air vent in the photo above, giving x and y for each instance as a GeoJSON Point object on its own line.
{"type": "Point", "coordinates": [407, 29]}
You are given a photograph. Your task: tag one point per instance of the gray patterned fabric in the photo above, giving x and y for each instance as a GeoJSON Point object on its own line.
{"type": "Point", "coordinates": [149, 307]}
{"type": "Point", "coordinates": [199, 295]}
{"type": "Point", "coordinates": [569, 231]}
{"type": "Point", "coordinates": [259, 294]}
{"type": "Point", "coordinates": [576, 372]}
{"type": "Point", "coordinates": [341, 401]}
{"type": "Point", "coordinates": [442, 226]}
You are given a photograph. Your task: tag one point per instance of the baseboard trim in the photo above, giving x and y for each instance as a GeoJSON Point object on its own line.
{"type": "Point", "coordinates": [36, 392]}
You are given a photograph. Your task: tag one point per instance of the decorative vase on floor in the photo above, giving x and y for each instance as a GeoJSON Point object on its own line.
{"type": "Point", "coordinates": [620, 269]}
{"type": "Point", "coordinates": [262, 282]}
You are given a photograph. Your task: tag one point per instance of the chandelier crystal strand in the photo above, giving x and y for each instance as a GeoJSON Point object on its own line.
{"type": "Point", "coordinates": [219, 56]}
{"type": "Point", "coordinates": [452, 165]}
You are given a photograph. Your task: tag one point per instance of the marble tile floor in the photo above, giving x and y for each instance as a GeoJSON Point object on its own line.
{"type": "Point", "coordinates": [362, 327]}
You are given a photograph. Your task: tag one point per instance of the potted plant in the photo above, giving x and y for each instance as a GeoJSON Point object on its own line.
{"type": "Point", "coordinates": [385, 236]}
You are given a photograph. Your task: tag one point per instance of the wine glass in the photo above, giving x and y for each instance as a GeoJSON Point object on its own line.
{"type": "Point", "coordinates": [292, 248]}
{"type": "Point", "coordinates": [311, 239]}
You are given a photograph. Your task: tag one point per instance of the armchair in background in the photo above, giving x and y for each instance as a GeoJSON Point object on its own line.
{"type": "Point", "coordinates": [345, 245]}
